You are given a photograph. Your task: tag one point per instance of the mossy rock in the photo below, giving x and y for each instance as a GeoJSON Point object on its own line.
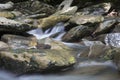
{"type": "Point", "coordinates": [34, 60]}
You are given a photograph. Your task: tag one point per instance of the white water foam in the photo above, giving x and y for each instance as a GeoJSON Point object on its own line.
{"type": "Point", "coordinates": [51, 31]}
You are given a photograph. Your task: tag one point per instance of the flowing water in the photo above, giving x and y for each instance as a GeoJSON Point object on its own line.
{"type": "Point", "coordinates": [83, 70]}
{"type": "Point", "coordinates": [59, 28]}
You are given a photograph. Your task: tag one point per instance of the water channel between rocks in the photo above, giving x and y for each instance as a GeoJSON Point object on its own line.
{"type": "Point", "coordinates": [85, 70]}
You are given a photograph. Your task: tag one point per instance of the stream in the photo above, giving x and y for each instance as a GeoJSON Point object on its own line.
{"type": "Point", "coordinates": [83, 70]}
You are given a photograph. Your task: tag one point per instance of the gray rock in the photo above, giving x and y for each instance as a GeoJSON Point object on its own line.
{"type": "Point", "coordinates": [6, 6]}
{"type": "Point", "coordinates": [116, 57]}
{"type": "Point", "coordinates": [77, 33]}
{"type": "Point", "coordinates": [116, 29]}
{"type": "Point", "coordinates": [105, 27]}
{"type": "Point", "coordinates": [18, 42]}
{"type": "Point", "coordinates": [9, 25]}
{"type": "Point", "coordinates": [4, 46]}
{"type": "Point", "coordinates": [83, 19]}
{"type": "Point", "coordinates": [91, 43]}
{"type": "Point", "coordinates": [34, 7]}
{"type": "Point", "coordinates": [98, 9]}
{"type": "Point", "coordinates": [95, 50]}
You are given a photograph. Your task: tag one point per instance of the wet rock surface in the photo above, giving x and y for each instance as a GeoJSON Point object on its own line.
{"type": "Point", "coordinates": [98, 9]}
{"type": "Point", "coordinates": [18, 42]}
{"type": "Point", "coordinates": [34, 7]}
{"type": "Point", "coordinates": [14, 26]}
{"type": "Point", "coordinates": [92, 34]}
{"type": "Point", "coordinates": [35, 60]}
{"type": "Point", "coordinates": [77, 33]}
{"type": "Point", "coordinates": [105, 27]}
{"type": "Point", "coordinates": [84, 19]}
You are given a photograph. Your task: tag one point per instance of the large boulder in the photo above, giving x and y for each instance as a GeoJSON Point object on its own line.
{"type": "Point", "coordinates": [37, 60]}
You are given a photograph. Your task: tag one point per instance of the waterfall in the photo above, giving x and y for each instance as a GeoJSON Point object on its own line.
{"type": "Point", "coordinates": [58, 28]}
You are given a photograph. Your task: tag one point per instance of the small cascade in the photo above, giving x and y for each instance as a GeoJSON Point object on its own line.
{"type": "Point", "coordinates": [58, 28]}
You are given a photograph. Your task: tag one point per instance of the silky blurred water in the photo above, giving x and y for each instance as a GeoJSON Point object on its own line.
{"type": "Point", "coordinates": [86, 70]}
{"type": "Point", "coordinates": [83, 70]}
{"type": "Point", "coordinates": [58, 28]}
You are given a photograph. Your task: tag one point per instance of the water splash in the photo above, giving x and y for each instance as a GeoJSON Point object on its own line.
{"type": "Point", "coordinates": [58, 28]}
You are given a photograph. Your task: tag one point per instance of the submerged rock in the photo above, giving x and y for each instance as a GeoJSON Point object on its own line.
{"type": "Point", "coordinates": [98, 9]}
{"type": "Point", "coordinates": [80, 19]}
{"type": "Point", "coordinates": [34, 60]}
{"type": "Point", "coordinates": [115, 53]}
{"type": "Point", "coordinates": [77, 33]}
{"type": "Point", "coordinates": [9, 25]}
{"type": "Point", "coordinates": [95, 50]}
{"type": "Point", "coordinates": [18, 42]}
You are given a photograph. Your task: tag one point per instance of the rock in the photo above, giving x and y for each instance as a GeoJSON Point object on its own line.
{"type": "Point", "coordinates": [4, 46]}
{"type": "Point", "coordinates": [50, 21]}
{"type": "Point", "coordinates": [115, 53]}
{"type": "Point", "coordinates": [116, 29]}
{"type": "Point", "coordinates": [43, 46]}
{"type": "Point", "coordinates": [37, 16]}
{"type": "Point", "coordinates": [83, 19]}
{"type": "Point", "coordinates": [90, 43]}
{"type": "Point", "coordinates": [34, 7]}
{"type": "Point", "coordinates": [105, 27]}
{"type": "Point", "coordinates": [67, 11]}
{"type": "Point", "coordinates": [56, 44]}
{"type": "Point", "coordinates": [96, 38]}
{"type": "Point", "coordinates": [15, 1]}
{"type": "Point", "coordinates": [8, 14]}
{"type": "Point", "coordinates": [77, 33]}
{"type": "Point", "coordinates": [95, 50]}
{"type": "Point", "coordinates": [98, 9]}
{"type": "Point", "coordinates": [18, 42]}
{"type": "Point", "coordinates": [9, 25]}
{"type": "Point", "coordinates": [34, 60]}
{"type": "Point", "coordinates": [113, 39]}
{"type": "Point", "coordinates": [6, 6]}
{"type": "Point", "coordinates": [65, 4]}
